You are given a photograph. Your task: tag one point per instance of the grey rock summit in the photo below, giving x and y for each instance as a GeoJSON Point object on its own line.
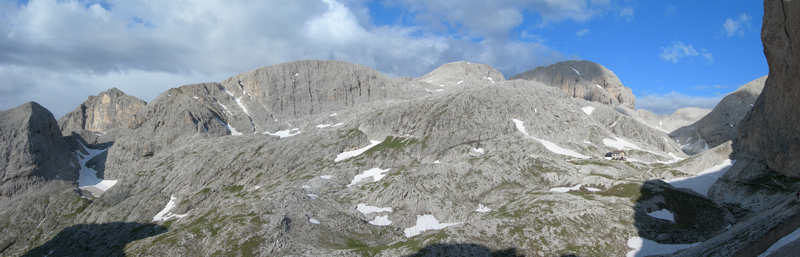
{"type": "Point", "coordinates": [457, 73]}
{"type": "Point", "coordinates": [721, 124]}
{"type": "Point", "coordinates": [108, 110]}
{"type": "Point", "coordinates": [33, 150]}
{"type": "Point", "coordinates": [583, 79]}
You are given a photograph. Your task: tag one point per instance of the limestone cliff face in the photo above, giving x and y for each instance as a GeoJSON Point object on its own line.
{"type": "Point", "coordinates": [109, 109]}
{"type": "Point", "coordinates": [583, 79]}
{"type": "Point", "coordinates": [771, 131]}
{"type": "Point", "coordinates": [33, 150]}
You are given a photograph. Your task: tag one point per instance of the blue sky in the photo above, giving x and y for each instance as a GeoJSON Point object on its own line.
{"type": "Point", "coordinates": [672, 54]}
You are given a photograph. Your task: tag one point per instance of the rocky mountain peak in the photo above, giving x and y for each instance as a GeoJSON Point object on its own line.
{"type": "Point", "coordinates": [720, 125]}
{"type": "Point", "coordinates": [33, 149]}
{"type": "Point", "coordinates": [583, 79]}
{"type": "Point", "coordinates": [457, 73]}
{"type": "Point", "coordinates": [108, 110]}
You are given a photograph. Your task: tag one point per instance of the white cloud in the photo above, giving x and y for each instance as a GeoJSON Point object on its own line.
{"type": "Point", "coordinates": [582, 32]}
{"type": "Point", "coordinates": [736, 27]}
{"type": "Point", "coordinates": [626, 13]}
{"type": "Point", "coordinates": [59, 52]}
{"type": "Point", "coordinates": [679, 50]}
{"type": "Point", "coordinates": [668, 103]}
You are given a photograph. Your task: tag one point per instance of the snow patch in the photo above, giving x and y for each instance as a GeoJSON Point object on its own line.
{"type": "Point", "coordinates": [366, 209]}
{"type": "Point", "coordinates": [87, 177]}
{"type": "Point", "coordinates": [312, 196]}
{"type": "Point", "coordinates": [483, 209]}
{"type": "Point", "coordinates": [375, 173]}
{"type": "Point", "coordinates": [314, 221]}
{"type": "Point", "coordinates": [576, 71]}
{"type": "Point", "coordinates": [334, 114]}
{"type": "Point", "coordinates": [701, 182]}
{"type": "Point", "coordinates": [479, 150]}
{"type": "Point", "coordinates": [663, 214]}
{"type": "Point", "coordinates": [350, 154]}
{"type": "Point", "coordinates": [381, 221]}
{"type": "Point", "coordinates": [588, 110]}
{"type": "Point", "coordinates": [592, 189]}
{"type": "Point", "coordinates": [601, 87]}
{"type": "Point", "coordinates": [425, 223]}
{"type": "Point", "coordinates": [566, 189]}
{"type": "Point", "coordinates": [645, 247]}
{"type": "Point", "coordinates": [460, 81]}
{"type": "Point", "coordinates": [165, 214]}
{"type": "Point", "coordinates": [549, 145]}
{"type": "Point", "coordinates": [437, 162]}
{"type": "Point", "coordinates": [326, 177]}
{"type": "Point", "coordinates": [285, 133]}
{"type": "Point", "coordinates": [230, 128]}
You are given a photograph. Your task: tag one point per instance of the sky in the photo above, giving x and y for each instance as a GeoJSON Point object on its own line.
{"type": "Point", "coordinates": [672, 54]}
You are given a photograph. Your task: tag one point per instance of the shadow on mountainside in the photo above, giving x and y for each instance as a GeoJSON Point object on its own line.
{"type": "Point", "coordinates": [107, 239]}
{"type": "Point", "coordinates": [465, 249]}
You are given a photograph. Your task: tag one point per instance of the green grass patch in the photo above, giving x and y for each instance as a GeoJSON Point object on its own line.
{"type": "Point", "coordinates": [627, 190]}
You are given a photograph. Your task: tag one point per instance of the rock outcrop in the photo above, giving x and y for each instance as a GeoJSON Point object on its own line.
{"type": "Point", "coordinates": [771, 131]}
{"type": "Point", "coordinates": [670, 122]}
{"type": "Point", "coordinates": [108, 110]}
{"type": "Point", "coordinates": [583, 79]}
{"type": "Point", "coordinates": [33, 149]}
{"type": "Point", "coordinates": [720, 125]}
{"type": "Point", "coordinates": [457, 73]}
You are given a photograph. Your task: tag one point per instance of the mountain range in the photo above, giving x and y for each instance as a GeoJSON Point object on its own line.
{"type": "Point", "coordinates": [332, 158]}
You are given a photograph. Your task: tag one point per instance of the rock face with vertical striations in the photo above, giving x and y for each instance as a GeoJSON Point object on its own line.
{"type": "Point", "coordinates": [583, 79]}
{"type": "Point", "coordinates": [33, 150]}
{"type": "Point", "coordinates": [108, 110]}
{"type": "Point", "coordinates": [771, 131]}
{"type": "Point", "coordinates": [720, 125]}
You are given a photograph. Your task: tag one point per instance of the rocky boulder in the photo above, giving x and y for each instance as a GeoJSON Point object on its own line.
{"type": "Point", "coordinates": [719, 126]}
{"type": "Point", "coordinates": [33, 149]}
{"type": "Point", "coordinates": [770, 131]}
{"type": "Point", "coordinates": [583, 79]}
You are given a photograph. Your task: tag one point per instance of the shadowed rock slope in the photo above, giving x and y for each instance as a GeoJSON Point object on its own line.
{"type": "Point", "coordinates": [33, 149]}
{"type": "Point", "coordinates": [583, 79]}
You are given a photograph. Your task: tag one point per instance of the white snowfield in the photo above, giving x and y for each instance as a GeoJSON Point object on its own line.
{"type": "Point", "coordinates": [425, 223]}
{"type": "Point", "coordinates": [366, 209]}
{"type": "Point", "coordinates": [663, 214]}
{"type": "Point", "coordinates": [483, 209]}
{"type": "Point", "coordinates": [285, 133]}
{"type": "Point", "coordinates": [643, 247]}
{"type": "Point", "coordinates": [622, 144]}
{"type": "Point", "coordinates": [375, 173]}
{"type": "Point", "coordinates": [87, 177]}
{"type": "Point", "coordinates": [350, 154]}
{"type": "Point", "coordinates": [566, 189]}
{"type": "Point", "coordinates": [552, 147]}
{"type": "Point", "coordinates": [588, 110]}
{"type": "Point", "coordinates": [701, 182]}
{"type": "Point", "coordinates": [381, 221]}
{"type": "Point", "coordinates": [326, 177]}
{"type": "Point", "coordinates": [313, 221]}
{"type": "Point", "coordinates": [230, 128]}
{"type": "Point", "coordinates": [321, 126]}
{"type": "Point", "coordinates": [165, 214]}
